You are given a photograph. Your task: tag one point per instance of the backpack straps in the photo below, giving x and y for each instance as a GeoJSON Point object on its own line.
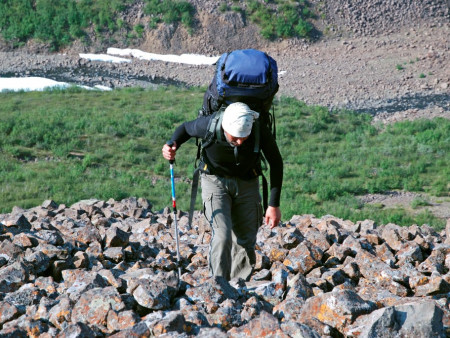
{"type": "Point", "coordinates": [193, 195]}
{"type": "Point", "coordinates": [213, 133]}
{"type": "Point", "coordinates": [265, 186]}
{"type": "Point", "coordinates": [257, 134]}
{"type": "Point", "coordinates": [214, 130]}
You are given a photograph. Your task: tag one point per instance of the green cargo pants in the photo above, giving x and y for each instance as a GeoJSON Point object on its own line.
{"type": "Point", "coordinates": [233, 208]}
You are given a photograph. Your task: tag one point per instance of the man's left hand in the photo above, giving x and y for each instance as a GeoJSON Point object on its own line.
{"type": "Point", "coordinates": [273, 216]}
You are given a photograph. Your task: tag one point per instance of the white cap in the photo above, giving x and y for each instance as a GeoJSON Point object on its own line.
{"type": "Point", "coordinates": [238, 119]}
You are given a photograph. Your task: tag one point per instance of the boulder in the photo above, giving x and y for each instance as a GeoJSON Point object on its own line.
{"type": "Point", "coordinates": [418, 319]}
{"type": "Point", "coordinates": [94, 305]}
{"type": "Point", "coordinates": [336, 309]}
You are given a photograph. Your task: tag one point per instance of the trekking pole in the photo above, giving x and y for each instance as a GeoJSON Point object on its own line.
{"type": "Point", "coordinates": [174, 205]}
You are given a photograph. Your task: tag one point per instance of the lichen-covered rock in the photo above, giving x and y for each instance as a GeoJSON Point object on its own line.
{"type": "Point", "coordinates": [294, 329]}
{"type": "Point", "coordinates": [115, 237]}
{"type": "Point", "coordinates": [61, 313]}
{"type": "Point", "coordinates": [10, 251]}
{"type": "Point", "coordinates": [263, 325]}
{"type": "Point", "coordinates": [161, 323]}
{"type": "Point", "coordinates": [303, 258]}
{"type": "Point", "coordinates": [419, 319]}
{"type": "Point", "coordinates": [93, 306]}
{"type": "Point", "coordinates": [117, 321]}
{"type": "Point", "coordinates": [76, 330]}
{"type": "Point", "coordinates": [153, 295]}
{"type": "Point", "coordinates": [298, 287]}
{"type": "Point", "coordinates": [372, 267]}
{"type": "Point", "coordinates": [12, 277]}
{"type": "Point", "coordinates": [337, 309]}
{"type": "Point", "coordinates": [215, 290]}
{"type": "Point", "coordinates": [228, 315]}
{"type": "Point", "coordinates": [24, 297]}
{"type": "Point", "coordinates": [8, 312]}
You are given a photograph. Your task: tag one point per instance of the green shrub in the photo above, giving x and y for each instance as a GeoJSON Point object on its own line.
{"type": "Point", "coordinates": [419, 202]}
{"type": "Point", "coordinates": [139, 29]}
{"type": "Point", "coordinates": [56, 22]}
{"type": "Point", "coordinates": [303, 28]}
{"type": "Point", "coordinates": [170, 11]}
{"type": "Point", "coordinates": [286, 21]}
{"type": "Point", "coordinates": [59, 23]}
{"type": "Point", "coordinates": [223, 7]}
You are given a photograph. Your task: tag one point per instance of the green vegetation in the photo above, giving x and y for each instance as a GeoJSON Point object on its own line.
{"type": "Point", "coordinates": [286, 20]}
{"type": "Point", "coordinates": [419, 202]}
{"type": "Point", "coordinates": [399, 67]}
{"type": "Point", "coordinates": [139, 29]}
{"type": "Point", "coordinates": [236, 9]}
{"type": "Point", "coordinates": [73, 144]}
{"type": "Point", "coordinates": [422, 76]}
{"type": "Point", "coordinates": [59, 23]}
{"type": "Point", "coordinates": [223, 7]}
{"type": "Point", "coordinates": [170, 11]}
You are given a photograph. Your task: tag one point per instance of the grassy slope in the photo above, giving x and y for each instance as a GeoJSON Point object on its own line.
{"type": "Point", "coordinates": [74, 144]}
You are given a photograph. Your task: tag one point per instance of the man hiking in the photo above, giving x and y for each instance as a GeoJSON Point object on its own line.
{"type": "Point", "coordinates": [230, 185]}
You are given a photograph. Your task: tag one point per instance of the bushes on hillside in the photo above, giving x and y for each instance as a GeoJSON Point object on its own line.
{"type": "Point", "coordinates": [57, 22]}
{"type": "Point", "coordinates": [60, 22]}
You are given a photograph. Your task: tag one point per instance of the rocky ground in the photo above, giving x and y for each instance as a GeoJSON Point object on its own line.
{"type": "Point", "coordinates": [109, 268]}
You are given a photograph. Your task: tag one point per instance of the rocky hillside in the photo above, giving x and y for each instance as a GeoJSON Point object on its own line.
{"type": "Point", "coordinates": [373, 17]}
{"type": "Point", "coordinates": [109, 268]}
{"type": "Point", "coordinates": [216, 31]}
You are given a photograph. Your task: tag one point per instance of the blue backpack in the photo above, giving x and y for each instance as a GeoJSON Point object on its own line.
{"type": "Point", "coordinates": [249, 76]}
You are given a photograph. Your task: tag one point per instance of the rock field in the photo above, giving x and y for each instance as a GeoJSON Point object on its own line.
{"type": "Point", "coordinates": [109, 268]}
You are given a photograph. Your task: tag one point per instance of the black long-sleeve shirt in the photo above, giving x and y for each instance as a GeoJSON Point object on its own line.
{"type": "Point", "coordinates": [225, 162]}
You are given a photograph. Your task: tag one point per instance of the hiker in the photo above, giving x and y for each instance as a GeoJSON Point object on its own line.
{"type": "Point", "coordinates": [230, 186]}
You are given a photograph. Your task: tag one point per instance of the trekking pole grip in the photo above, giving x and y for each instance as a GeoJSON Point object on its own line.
{"type": "Point", "coordinates": [170, 144]}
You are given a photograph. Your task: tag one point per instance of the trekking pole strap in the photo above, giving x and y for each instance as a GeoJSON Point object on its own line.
{"type": "Point", "coordinates": [257, 136]}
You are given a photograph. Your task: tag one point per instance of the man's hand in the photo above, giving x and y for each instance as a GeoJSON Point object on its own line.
{"type": "Point", "coordinates": [273, 216]}
{"type": "Point", "coordinates": [168, 152]}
